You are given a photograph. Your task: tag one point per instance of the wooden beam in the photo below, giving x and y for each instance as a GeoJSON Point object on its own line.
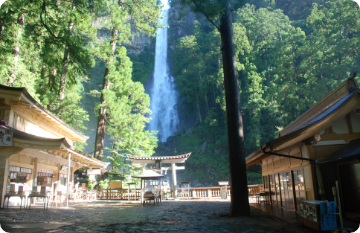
{"type": "Point", "coordinates": [6, 107]}
{"type": "Point", "coordinates": [348, 121]}
{"type": "Point", "coordinates": [346, 137]}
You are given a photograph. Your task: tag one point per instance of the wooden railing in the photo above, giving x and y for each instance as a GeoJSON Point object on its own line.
{"type": "Point", "coordinates": [214, 192]}
{"type": "Point", "coordinates": [117, 193]}
{"type": "Point", "coordinates": [199, 192]}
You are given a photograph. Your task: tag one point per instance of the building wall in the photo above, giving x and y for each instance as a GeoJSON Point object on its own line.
{"type": "Point", "coordinates": [25, 121]}
{"type": "Point", "coordinates": [275, 164]}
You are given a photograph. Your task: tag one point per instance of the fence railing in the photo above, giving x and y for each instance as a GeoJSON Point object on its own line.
{"type": "Point", "coordinates": [117, 193]}
{"type": "Point", "coordinates": [196, 192]}
{"type": "Point", "coordinates": [214, 192]}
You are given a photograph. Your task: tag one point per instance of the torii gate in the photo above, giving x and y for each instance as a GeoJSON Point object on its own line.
{"type": "Point", "coordinates": [161, 160]}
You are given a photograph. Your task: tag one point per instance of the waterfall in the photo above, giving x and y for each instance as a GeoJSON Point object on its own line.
{"type": "Point", "coordinates": [163, 94]}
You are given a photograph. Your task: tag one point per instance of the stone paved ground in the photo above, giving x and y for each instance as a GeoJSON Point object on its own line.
{"type": "Point", "coordinates": [120, 216]}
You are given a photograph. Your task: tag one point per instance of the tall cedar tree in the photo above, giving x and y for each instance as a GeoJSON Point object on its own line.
{"type": "Point", "coordinates": [125, 18]}
{"type": "Point", "coordinates": [223, 9]}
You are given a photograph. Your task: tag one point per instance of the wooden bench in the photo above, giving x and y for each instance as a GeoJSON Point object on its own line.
{"type": "Point", "coordinates": [20, 193]}
{"type": "Point", "coordinates": [150, 196]}
{"type": "Point", "coordinates": [41, 194]}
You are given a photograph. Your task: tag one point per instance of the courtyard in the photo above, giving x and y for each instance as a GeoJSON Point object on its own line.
{"type": "Point", "coordinates": [122, 216]}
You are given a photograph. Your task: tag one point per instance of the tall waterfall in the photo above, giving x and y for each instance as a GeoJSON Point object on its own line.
{"type": "Point", "coordinates": [163, 94]}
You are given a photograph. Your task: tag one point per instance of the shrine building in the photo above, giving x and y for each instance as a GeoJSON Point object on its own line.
{"type": "Point", "coordinates": [159, 161]}
{"type": "Point", "coordinates": [320, 147]}
{"type": "Point", "coordinates": [36, 147]}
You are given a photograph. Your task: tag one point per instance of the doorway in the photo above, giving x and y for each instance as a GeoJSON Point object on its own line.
{"type": "Point", "coordinates": [350, 187]}
{"type": "Point", "coordinates": [299, 186]}
{"type": "Point", "coordinates": [287, 196]}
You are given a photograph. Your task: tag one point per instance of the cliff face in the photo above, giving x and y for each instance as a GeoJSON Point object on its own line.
{"type": "Point", "coordinates": [181, 23]}
{"type": "Point", "coordinates": [137, 43]}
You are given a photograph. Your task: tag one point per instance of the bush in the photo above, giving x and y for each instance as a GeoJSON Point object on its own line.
{"type": "Point", "coordinates": [91, 184]}
{"type": "Point", "coordinates": [104, 184]}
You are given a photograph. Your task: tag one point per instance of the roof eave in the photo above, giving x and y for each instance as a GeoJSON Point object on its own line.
{"type": "Point", "coordinates": [310, 130]}
{"type": "Point", "coordinates": [306, 132]}
{"type": "Point", "coordinates": [26, 96]}
{"type": "Point", "coordinates": [343, 89]}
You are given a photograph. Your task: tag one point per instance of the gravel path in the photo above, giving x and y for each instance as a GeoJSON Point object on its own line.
{"type": "Point", "coordinates": [121, 216]}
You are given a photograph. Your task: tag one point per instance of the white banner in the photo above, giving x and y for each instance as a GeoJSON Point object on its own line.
{"type": "Point", "coordinates": [93, 171]}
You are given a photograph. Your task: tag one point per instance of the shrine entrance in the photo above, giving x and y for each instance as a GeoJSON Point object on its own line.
{"type": "Point", "coordinates": [159, 168]}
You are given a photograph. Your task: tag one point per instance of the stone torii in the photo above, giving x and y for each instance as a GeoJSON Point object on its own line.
{"type": "Point", "coordinates": [158, 161]}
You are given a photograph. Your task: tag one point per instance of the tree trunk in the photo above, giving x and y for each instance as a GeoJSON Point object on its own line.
{"type": "Point", "coordinates": [100, 132]}
{"type": "Point", "coordinates": [20, 22]}
{"type": "Point", "coordinates": [213, 88]}
{"type": "Point", "coordinates": [198, 107]}
{"type": "Point", "coordinates": [205, 94]}
{"type": "Point", "coordinates": [65, 67]}
{"type": "Point", "coordinates": [2, 27]}
{"type": "Point", "coordinates": [238, 179]}
{"type": "Point", "coordinates": [66, 61]}
{"type": "Point", "coordinates": [206, 101]}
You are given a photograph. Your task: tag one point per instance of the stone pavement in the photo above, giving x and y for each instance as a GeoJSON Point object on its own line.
{"type": "Point", "coordinates": [121, 216]}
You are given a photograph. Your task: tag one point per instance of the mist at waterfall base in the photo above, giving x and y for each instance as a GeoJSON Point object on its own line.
{"type": "Point", "coordinates": [163, 94]}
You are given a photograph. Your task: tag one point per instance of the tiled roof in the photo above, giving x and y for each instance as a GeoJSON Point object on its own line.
{"type": "Point", "coordinates": [328, 111]}
{"type": "Point", "coordinates": [184, 156]}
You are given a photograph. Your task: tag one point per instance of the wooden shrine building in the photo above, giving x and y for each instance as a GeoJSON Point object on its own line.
{"type": "Point", "coordinates": [36, 147]}
{"type": "Point", "coordinates": [320, 147]}
{"type": "Point", "coordinates": [159, 161]}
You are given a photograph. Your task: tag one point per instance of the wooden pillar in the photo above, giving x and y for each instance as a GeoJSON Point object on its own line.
{"type": "Point", "coordinates": [269, 189]}
{"type": "Point", "coordinates": [142, 191]}
{"type": "Point", "coordinates": [67, 181]}
{"type": "Point", "coordinates": [4, 164]}
{"type": "Point", "coordinates": [35, 172]}
{"type": "Point", "coordinates": [143, 167]}
{"type": "Point", "coordinates": [275, 188]}
{"type": "Point", "coordinates": [293, 189]}
{"type": "Point", "coordinates": [5, 153]}
{"type": "Point", "coordinates": [174, 180]}
{"type": "Point", "coordinates": [58, 179]}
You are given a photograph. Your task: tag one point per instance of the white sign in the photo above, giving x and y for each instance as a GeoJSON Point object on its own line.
{"type": "Point", "coordinates": [93, 171]}
{"type": "Point", "coordinates": [6, 137]}
{"type": "Point", "coordinates": [221, 183]}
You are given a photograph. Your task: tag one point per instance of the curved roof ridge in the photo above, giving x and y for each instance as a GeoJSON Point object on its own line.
{"type": "Point", "coordinates": [29, 99]}
{"type": "Point", "coordinates": [323, 105]}
{"type": "Point", "coordinates": [187, 155]}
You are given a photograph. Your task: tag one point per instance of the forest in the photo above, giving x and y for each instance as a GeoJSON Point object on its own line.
{"type": "Point", "coordinates": [290, 55]}
{"type": "Point", "coordinates": [73, 58]}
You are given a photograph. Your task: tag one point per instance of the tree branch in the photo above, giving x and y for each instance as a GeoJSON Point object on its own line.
{"type": "Point", "coordinates": [43, 23]}
{"type": "Point", "coordinates": [207, 17]}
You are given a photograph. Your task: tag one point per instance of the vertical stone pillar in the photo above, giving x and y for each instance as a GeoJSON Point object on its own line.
{"type": "Point", "coordinates": [174, 180]}
{"type": "Point", "coordinates": [209, 193]}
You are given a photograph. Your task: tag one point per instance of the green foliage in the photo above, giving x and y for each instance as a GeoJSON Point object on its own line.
{"type": "Point", "coordinates": [143, 65]}
{"type": "Point", "coordinates": [91, 184]}
{"type": "Point", "coordinates": [104, 184]}
{"type": "Point", "coordinates": [212, 8]}
{"type": "Point", "coordinates": [50, 46]}
{"type": "Point", "coordinates": [283, 70]}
